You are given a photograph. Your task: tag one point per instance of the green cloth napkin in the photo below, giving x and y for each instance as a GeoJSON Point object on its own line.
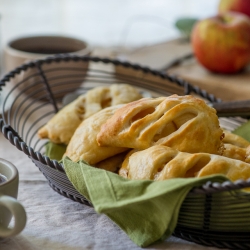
{"type": "Point", "coordinates": [243, 131]}
{"type": "Point", "coordinates": [146, 210]}
{"type": "Point", "coordinates": [55, 151]}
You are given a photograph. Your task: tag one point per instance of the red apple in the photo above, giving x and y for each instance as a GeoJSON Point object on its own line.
{"type": "Point", "coordinates": [242, 6]}
{"type": "Point", "coordinates": [222, 43]}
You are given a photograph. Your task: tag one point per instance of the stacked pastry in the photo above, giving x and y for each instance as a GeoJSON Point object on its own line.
{"type": "Point", "coordinates": [63, 125]}
{"type": "Point", "coordinates": [153, 138]}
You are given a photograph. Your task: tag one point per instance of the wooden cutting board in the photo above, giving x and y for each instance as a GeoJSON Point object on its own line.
{"type": "Point", "coordinates": [225, 87]}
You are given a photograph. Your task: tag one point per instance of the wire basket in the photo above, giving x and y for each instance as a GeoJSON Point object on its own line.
{"type": "Point", "coordinates": [215, 214]}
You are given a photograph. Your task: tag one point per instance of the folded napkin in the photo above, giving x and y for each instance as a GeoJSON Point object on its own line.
{"type": "Point", "coordinates": [243, 131]}
{"type": "Point", "coordinates": [146, 210]}
{"type": "Point", "coordinates": [55, 151]}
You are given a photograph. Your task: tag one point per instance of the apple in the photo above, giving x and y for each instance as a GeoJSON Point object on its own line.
{"type": "Point", "coordinates": [221, 43]}
{"type": "Point", "coordinates": [242, 6]}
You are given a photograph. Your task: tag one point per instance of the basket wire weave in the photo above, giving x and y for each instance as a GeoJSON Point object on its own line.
{"type": "Point", "coordinates": [215, 214]}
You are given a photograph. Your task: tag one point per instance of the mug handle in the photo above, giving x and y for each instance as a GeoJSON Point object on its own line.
{"type": "Point", "coordinates": [18, 213]}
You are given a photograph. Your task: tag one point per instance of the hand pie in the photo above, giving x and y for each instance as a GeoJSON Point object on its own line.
{"type": "Point", "coordinates": [160, 163]}
{"type": "Point", "coordinates": [236, 147]}
{"type": "Point", "coordinates": [102, 97]}
{"type": "Point", "coordinates": [184, 123]}
{"type": "Point", "coordinates": [83, 145]}
{"type": "Point", "coordinates": [234, 139]}
{"type": "Point", "coordinates": [63, 125]}
{"type": "Point", "coordinates": [124, 168]}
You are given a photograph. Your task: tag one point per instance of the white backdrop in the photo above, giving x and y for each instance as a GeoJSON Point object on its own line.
{"type": "Point", "coordinates": [100, 22]}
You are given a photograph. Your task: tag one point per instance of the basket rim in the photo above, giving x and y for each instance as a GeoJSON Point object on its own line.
{"type": "Point", "coordinates": [14, 138]}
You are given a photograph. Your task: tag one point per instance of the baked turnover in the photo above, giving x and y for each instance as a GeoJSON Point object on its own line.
{"type": "Point", "coordinates": [62, 125]}
{"type": "Point", "coordinates": [83, 145]}
{"type": "Point", "coordinates": [236, 147]}
{"type": "Point", "coordinates": [160, 163]}
{"type": "Point", "coordinates": [184, 123]}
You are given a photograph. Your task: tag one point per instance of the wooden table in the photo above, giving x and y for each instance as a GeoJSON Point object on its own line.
{"type": "Point", "coordinates": [225, 87]}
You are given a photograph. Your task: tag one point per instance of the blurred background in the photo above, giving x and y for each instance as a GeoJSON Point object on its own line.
{"type": "Point", "coordinates": [117, 23]}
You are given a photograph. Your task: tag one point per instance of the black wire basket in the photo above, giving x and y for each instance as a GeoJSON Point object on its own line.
{"type": "Point", "coordinates": [215, 214]}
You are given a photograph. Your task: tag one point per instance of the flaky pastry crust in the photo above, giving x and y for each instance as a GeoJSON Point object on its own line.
{"type": "Point", "coordinates": [160, 163]}
{"type": "Point", "coordinates": [83, 145]}
{"type": "Point", "coordinates": [113, 163]}
{"type": "Point", "coordinates": [236, 147]}
{"type": "Point", "coordinates": [61, 127]}
{"type": "Point", "coordinates": [184, 123]}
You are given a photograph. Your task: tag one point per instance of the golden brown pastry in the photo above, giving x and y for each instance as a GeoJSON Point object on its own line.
{"type": "Point", "coordinates": [123, 171]}
{"type": "Point", "coordinates": [83, 145]}
{"type": "Point", "coordinates": [160, 163]}
{"type": "Point", "coordinates": [184, 123]}
{"type": "Point", "coordinates": [113, 163]}
{"type": "Point", "coordinates": [235, 147]}
{"type": "Point", "coordinates": [234, 152]}
{"type": "Point", "coordinates": [234, 139]}
{"type": "Point", "coordinates": [63, 125]}
{"type": "Point", "coordinates": [247, 159]}
{"type": "Point", "coordinates": [102, 97]}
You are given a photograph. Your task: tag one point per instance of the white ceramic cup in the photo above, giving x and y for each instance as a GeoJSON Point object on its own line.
{"type": "Point", "coordinates": [9, 206]}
